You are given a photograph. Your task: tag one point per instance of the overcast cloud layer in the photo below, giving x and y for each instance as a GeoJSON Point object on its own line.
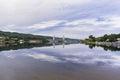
{"type": "Point", "coordinates": [74, 18]}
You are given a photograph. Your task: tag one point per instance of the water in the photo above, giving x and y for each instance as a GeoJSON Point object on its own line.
{"type": "Point", "coordinates": [71, 62]}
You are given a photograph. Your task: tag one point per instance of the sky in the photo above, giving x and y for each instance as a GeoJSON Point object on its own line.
{"type": "Point", "coordinates": [72, 18]}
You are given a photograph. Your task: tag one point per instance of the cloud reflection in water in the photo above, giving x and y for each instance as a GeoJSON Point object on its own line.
{"type": "Point", "coordinates": [78, 54]}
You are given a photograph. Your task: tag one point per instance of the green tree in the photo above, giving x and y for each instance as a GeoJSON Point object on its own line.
{"type": "Point", "coordinates": [91, 38]}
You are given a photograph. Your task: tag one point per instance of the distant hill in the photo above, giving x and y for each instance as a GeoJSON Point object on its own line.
{"type": "Point", "coordinates": [21, 35]}
{"type": "Point", "coordinates": [27, 37]}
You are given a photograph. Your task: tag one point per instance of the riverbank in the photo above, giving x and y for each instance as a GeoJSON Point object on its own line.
{"type": "Point", "coordinates": [114, 44]}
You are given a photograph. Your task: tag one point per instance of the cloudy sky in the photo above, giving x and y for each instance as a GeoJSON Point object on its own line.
{"type": "Point", "coordinates": [73, 18]}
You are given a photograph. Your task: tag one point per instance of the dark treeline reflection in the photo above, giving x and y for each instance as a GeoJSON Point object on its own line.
{"type": "Point", "coordinates": [105, 47]}
{"type": "Point", "coordinates": [15, 46]}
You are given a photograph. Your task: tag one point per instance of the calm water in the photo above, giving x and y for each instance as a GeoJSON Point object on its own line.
{"type": "Point", "coordinates": [74, 62]}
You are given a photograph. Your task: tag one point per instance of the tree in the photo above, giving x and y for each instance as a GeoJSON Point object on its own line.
{"type": "Point", "coordinates": [91, 38]}
{"type": "Point", "coordinates": [105, 37]}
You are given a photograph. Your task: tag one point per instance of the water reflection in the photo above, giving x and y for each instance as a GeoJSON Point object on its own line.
{"type": "Point", "coordinates": [43, 62]}
{"type": "Point", "coordinates": [43, 57]}
{"type": "Point", "coordinates": [16, 46]}
{"type": "Point", "coordinates": [78, 54]}
{"type": "Point", "coordinates": [105, 47]}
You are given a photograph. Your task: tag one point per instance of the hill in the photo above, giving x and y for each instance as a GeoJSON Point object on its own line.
{"type": "Point", "coordinates": [16, 37]}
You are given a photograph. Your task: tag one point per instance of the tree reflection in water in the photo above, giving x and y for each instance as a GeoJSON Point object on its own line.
{"type": "Point", "coordinates": [105, 47]}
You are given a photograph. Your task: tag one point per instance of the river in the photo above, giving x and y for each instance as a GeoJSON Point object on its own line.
{"type": "Point", "coordinates": [71, 62]}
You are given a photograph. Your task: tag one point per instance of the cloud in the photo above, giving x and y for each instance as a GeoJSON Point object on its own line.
{"type": "Point", "coordinates": [74, 28]}
{"type": "Point", "coordinates": [10, 27]}
{"type": "Point", "coordinates": [29, 11]}
{"type": "Point", "coordinates": [85, 27]}
{"type": "Point", "coordinates": [74, 18]}
{"type": "Point", "coordinates": [44, 25]}
{"type": "Point", "coordinates": [89, 21]}
{"type": "Point", "coordinates": [78, 28]}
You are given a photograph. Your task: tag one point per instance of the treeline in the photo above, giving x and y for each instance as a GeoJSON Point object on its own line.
{"type": "Point", "coordinates": [21, 46]}
{"type": "Point", "coordinates": [105, 38]}
{"type": "Point", "coordinates": [23, 36]}
{"type": "Point", "coordinates": [16, 37]}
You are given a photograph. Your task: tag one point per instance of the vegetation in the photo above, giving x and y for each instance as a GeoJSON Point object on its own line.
{"type": "Point", "coordinates": [13, 37]}
{"type": "Point", "coordinates": [105, 38]}
{"type": "Point", "coordinates": [26, 37]}
{"type": "Point", "coordinates": [106, 48]}
{"type": "Point", "coordinates": [21, 46]}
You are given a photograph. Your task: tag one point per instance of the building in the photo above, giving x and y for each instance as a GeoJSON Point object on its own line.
{"type": "Point", "coordinates": [118, 40]}
{"type": "Point", "coordinates": [35, 41]}
{"type": "Point", "coordinates": [2, 40]}
{"type": "Point", "coordinates": [21, 41]}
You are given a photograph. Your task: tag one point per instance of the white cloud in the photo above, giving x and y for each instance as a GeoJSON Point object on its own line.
{"type": "Point", "coordinates": [89, 21]}
{"type": "Point", "coordinates": [109, 23]}
{"type": "Point", "coordinates": [44, 25]}
{"type": "Point", "coordinates": [10, 27]}
{"type": "Point", "coordinates": [79, 16]}
{"type": "Point", "coordinates": [112, 23]}
{"type": "Point", "coordinates": [78, 28]}
{"type": "Point", "coordinates": [30, 11]}
{"type": "Point", "coordinates": [73, 28]}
